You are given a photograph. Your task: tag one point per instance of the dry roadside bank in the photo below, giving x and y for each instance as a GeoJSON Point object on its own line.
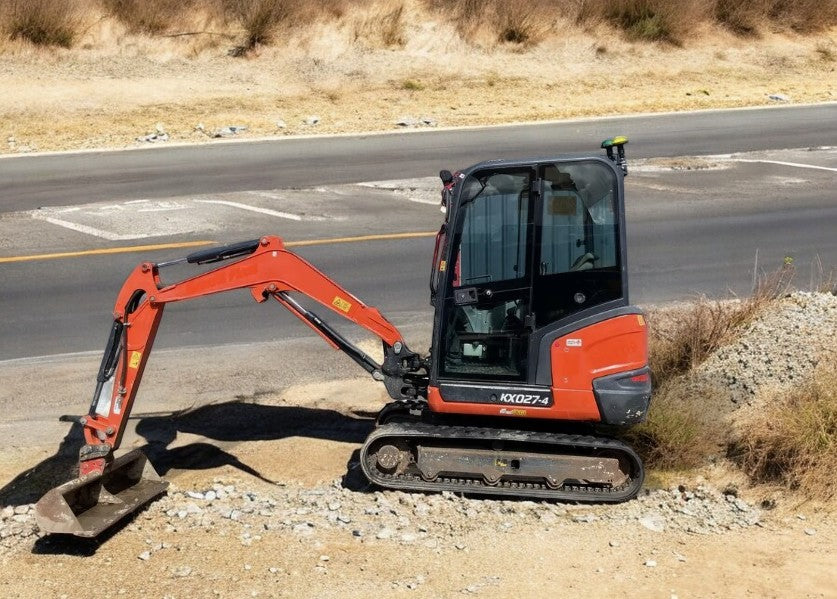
{"type": "Point", "coordinates": [115, 85]}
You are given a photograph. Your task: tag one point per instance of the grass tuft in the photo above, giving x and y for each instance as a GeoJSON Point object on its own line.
{"type": "Point", "coordinates": [384, 27]}
{"type": "Point", "coordinates": [262, 19]}
{"type": "Point", "coordinates": [519, 24]}
{"type": "Point", "coordinates": [148, 16]}
{"type": "Point", "coordinates": [42, 22]}
{"type": "Point", "coordinates": [654, 20]}
{"type": "Point", "coordinates": [744, 18]}
{"type": "Point", "coordinates": [687, 421]}
{"type": "Point", "coordinates": [685, 427]}
{"type": "Point", "coordinates": [412, 85]}
{"type": "Point", "coordinates": [703, 326]}
{"type": "Point", "coordinates": [826, 52]}
{"type": "Point", "coordinates": [793, 440]}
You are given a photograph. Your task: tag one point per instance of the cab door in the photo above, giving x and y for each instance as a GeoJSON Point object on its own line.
{"type": "Point", "coordinates": [486, 316]}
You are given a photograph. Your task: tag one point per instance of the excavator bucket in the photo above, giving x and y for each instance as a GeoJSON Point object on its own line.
{"type": "Point", "coordinates": [90, 504]}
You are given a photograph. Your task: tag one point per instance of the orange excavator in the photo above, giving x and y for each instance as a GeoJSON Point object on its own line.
{"type": "Point", "coordinates": [535, 347]}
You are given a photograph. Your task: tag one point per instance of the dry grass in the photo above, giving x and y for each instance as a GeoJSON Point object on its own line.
{"type": "Point", "coordinates": [384, 26]}
{"type": "Point", "coordinates": [654, 20]}
{"type": "Point", "coordinates": [685, 427]}
{"type": "Point", "coordinates": [705, 325]}
{"type": "Point", "coordinates": [490, 23]}
{"type": "Point", "coordinates": [42, 22]}
{"type": "Point", "coordinates": [803, 16]}
{"type": "Point", "coordinates": [151, 16]}
{"type": "Point", "coordinates": [793, 440]}
{"type": "Point", "coordinates": [743, 18]}
{"type": "Point", "coordinates": [262, 19]}
{"type": "Point", "coordinates": [687, 422]}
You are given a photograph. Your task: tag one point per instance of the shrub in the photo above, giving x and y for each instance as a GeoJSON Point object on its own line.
{"type": "Point", "coordinates": [43, 22]}
{"type": "Point", "coordinates": [697, 330]}
{"type": "Point", "coordinates": [793, 439]}
{"type": "Point", "coordinates": [742, 16]}
{"type": "Point", "coordinates": [392, 27]}
{"type": "Point", "coordinates": [261, 19]}
{"type": "Point", "coordinates": [804, 16]}
{"type": "Point", "coordinates": [522, 23]}
{"type": "Point", "coordinates": [149, 16]}
{"type": "Point", "coordinates": [746, 16]}
{"type": "Point", "coordinates": [382, 26]}
{"type": "Point", "coordinates": [686, 425]}
{"type": "Point", "coordinates": [655, 20]}
{"type": "Point", "coordinates": [412, 85]}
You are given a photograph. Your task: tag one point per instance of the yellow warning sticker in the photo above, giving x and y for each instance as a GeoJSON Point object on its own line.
{"type": "Point", "coordinates": [341, 304]}
{"type": "Point", "coordinates": [135, 360]}
{"type": "Point", "coordinates": [640, 319]}
{"type": "Point", "coordinates": [443, 264]}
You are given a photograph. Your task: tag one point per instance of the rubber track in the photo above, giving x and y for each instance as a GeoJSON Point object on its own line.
{"type": "Point", "coordinates": [523, 490]}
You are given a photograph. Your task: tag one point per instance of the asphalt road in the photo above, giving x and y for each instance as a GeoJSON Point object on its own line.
{"type": "Point", "coordinates": [695, 230]}
{"type": "Point", "coordinates": [165, 172]}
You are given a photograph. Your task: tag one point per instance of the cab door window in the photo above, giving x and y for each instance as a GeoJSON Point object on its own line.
{"type": "Point", "coordinates": [577, 232]}
{"type": "Point", "coordinates": [484, 333]}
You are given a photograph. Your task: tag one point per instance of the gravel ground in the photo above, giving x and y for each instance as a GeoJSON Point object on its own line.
{"type": "Point", "coordinates": [778, 350]}
{"type": "Point", "coordinates": [233, 510]}
{"type": "Point", "coordinates": [220, 532]}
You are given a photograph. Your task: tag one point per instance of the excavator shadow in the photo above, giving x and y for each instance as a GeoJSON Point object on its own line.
{"type": "Point", "coordinates": [236, 421]}
{"type": "Point", "coordinates": [225, 423]}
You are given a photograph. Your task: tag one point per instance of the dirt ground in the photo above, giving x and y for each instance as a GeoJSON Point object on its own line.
{"type": "Point", "coordinates": [313, 532]}
{"type": "Point", "coordinates": [112, 91]}
{"type": "Point", "coordinates": [291, 452]}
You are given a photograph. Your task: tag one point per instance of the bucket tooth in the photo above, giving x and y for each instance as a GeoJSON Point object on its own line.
{"type": "Point", "coordinates": [89, 505]}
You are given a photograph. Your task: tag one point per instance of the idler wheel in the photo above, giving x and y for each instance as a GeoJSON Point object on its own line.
{"type": "Point", "coordinates": [388, 457]}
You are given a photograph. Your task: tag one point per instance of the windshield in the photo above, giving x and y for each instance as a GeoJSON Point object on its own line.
{"type": "Point", "coordinates": [578, 224]}
{"type": "Point", "coordinates": [495, 231]}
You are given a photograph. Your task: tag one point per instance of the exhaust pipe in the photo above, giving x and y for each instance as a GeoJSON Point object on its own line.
{"type": "Point", "coordinates": [91, 504]}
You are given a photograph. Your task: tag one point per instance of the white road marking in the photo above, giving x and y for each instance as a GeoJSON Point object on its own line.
{"type": "Point", "coordinates": [796, 164]}
{"type": "Point", "coordinates": [424, 190]}
{"type": "Point", "coordinates": [163, 206]}
{"type": "Point", "coordinates": [267, 211]}
{"type": "Point", "coordinates": [265, 194]}
{"type": "Point", "coordinates": [86, 229]}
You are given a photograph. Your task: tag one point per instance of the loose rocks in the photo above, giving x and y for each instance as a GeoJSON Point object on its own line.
{"type": "Point", "coordinates": [779, 349]}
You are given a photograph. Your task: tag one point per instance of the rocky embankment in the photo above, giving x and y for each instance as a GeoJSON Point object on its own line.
{"type": "Point", "coordinates": [778, 350]}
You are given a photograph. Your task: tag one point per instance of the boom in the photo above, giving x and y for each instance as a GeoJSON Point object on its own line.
{"type": "Point", "coordinates": [268, 270]}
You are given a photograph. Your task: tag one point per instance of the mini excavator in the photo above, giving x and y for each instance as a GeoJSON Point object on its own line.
{"type": "Point", "coordinates": [535, 346]}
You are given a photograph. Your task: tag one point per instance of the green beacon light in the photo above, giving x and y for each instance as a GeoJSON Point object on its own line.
{"type": "Point", "coordinates": [617, 142]}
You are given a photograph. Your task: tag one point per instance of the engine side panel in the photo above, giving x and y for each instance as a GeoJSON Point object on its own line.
{"type": "Point", "coordinates": [605, 348]}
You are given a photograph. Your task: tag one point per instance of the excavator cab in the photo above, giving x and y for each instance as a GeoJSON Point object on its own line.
{"type": "Point", "coordinates": [532, 260]}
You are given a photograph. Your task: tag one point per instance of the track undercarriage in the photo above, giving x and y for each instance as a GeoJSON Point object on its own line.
{"type": "Point", "coordinates": [406, 452]}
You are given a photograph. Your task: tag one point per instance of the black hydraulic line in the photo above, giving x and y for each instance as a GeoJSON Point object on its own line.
{"type": "Point", "coordinates": [355, 353]}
